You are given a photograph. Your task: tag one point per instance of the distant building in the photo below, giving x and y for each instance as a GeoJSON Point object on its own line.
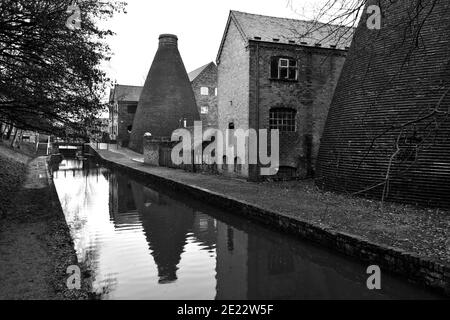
{"type": "Point", "coordinates": [124, 100]}
{"type": "Point", "coordinates": [204, 85]}
{"type": "Point", "coordinates": [276, 73]}
{"type": "Point", "coordinates": [123, 104]}
{"type": "Point", "coordinates": [30, 136]}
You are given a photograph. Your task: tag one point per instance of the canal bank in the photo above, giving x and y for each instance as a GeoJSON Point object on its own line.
{"type": "Point", "coordinates": [35, 243]}
{"type": "Point", "coordinates": [404, 240]}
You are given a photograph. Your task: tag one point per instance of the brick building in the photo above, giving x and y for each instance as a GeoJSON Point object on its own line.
{"type": "Point", "coordinates": [276, 73]}
{"type": "Point", "coordinates": [123, 101]}
{"type": "Point", "coordinates": [387, 133]}
{"type": "Point", "coordinates": [204, 85]}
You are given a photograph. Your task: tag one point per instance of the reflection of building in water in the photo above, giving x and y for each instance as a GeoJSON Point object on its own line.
{"type": "Point", "coordinates": [231, 265]}
{"type": "Point", "coordinates": [121, 199]}
{"type": "Point", "coordinates": [273, 270]}
{"type": "Point", "coordinates": [77, 169]}
{"type": "Point", "coordinates": [204, 229]}
{"type": "Point", "coordinates": [256, 263]}
{"type": "Point", "coordinates": [277, 272]}
{"type": "Point", "coordinates": [253, 266]}
{"type": "Point", "coordinates": [70, 167]}
{"type": "Point", "coordinates": [166, 223]}
{"type": "Point", "coordinates": [288, 269]}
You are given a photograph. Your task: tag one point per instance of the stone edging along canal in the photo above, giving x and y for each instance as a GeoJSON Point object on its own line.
{"type": "Point", "coordinates": [414, 268]}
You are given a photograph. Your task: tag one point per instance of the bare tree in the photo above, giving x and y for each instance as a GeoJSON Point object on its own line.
{"type": "Point", "coordinates": [50, 75]}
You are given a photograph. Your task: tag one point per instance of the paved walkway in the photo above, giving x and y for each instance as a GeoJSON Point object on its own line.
{"type": "Point", "coordinates": [21, 277]}
{"type": "Point", "coordinates": [422, 232]}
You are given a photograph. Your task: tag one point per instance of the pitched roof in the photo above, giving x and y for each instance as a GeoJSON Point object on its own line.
{"type": "Point", "coordinates": [126, 93]}
{"type": "Point", "coordinates": [132, 93]}
{"type": "Point", "coordinates": [289, 31]}
{"type": "Point", "coordinates": [194, 74]}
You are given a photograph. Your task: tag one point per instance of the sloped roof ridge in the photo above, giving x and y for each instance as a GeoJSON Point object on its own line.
{"type": "Point", "coordinates": [195, 73]}
{"type": "Point", "coordinates": [292, 19]}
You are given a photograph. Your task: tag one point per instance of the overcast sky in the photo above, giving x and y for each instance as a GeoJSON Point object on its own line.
{"type": "Point", "coordinates": [199, 25]}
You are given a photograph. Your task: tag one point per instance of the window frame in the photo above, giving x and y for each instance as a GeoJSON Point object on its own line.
{"type": "Point", "coordinates": [202, 91]}
{"type": "Point", "coordinates": [285, 65]}
{"type": "Point", "coordinates": [282, 118]}
{"type": "Point", "coordinates": [132, 107]}
{"type": "Point", "coordinates": [202, 108]}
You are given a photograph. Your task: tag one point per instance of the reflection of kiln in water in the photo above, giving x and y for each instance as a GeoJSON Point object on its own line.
{"type": "Point", "coordinates": [251, 261]}
{"type": "Point", "coordinates": [166, 224]}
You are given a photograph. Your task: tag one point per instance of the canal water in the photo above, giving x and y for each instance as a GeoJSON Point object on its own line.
{"type": "Point", "coordinates": [144, 242]}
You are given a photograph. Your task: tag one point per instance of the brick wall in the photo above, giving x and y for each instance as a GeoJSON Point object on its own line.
{"type": "Point", "coordinates": [310, 96]}
{"type": "Point", "coordinates": [125, 120]}
{"type": "Point", "coordinates": [387, 85]}
{"type": "Point", "coordinates": [207, 78]}
{"type": "Point", "coordinates": [233, 87]}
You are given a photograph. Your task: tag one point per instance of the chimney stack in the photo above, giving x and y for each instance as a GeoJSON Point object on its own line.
{"type": "Point", "coordinates": [168, 40]}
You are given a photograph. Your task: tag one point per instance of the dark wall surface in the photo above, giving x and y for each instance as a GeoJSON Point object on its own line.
{"type": "Point", "coordinates": [387, 132]}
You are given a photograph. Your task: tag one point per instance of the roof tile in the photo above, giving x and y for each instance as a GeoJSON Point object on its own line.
{"type": "Point", "coordinates": [289, 31]}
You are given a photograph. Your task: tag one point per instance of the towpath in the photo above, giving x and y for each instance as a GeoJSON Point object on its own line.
{"type": "Point", "coordinates": [35, 243]}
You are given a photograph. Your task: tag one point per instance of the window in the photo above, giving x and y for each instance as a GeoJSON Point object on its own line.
{"type": "Point", "coordinates": [284, 69]}
{"type": "Point", "coordinates": [183, 122]}
{"type": "Point", "coordinates": [215, 91]}
{"type": "Point", "coordinates": [282, 119]}
{"type": "Point", "coordinates": [204, 91]}
{"type": "Point", "coordinates": [204, 110]}
{"type": "Point", "coordinates": [131, 108]}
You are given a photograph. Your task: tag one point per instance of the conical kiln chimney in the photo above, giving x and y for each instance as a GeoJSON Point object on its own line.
{"type": "Point", "coordinates": [167, 101]}
{"type": "Point", "coordinates": [387, 134]}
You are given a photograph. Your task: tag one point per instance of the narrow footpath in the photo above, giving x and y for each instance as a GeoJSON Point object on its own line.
{"type": "Point", "coordinates": [35, 244]}
{"type": "Point", "coordinates": [406, 240]}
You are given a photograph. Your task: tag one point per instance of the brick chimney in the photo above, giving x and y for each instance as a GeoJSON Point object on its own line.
{"type": "Point", "coordinates": [168, 39]}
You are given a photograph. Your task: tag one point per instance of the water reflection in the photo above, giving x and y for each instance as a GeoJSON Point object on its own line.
{"type": "Point", "coordinates": [142, 243]}
{"type": "Point", "coordinates": [167, 225]}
